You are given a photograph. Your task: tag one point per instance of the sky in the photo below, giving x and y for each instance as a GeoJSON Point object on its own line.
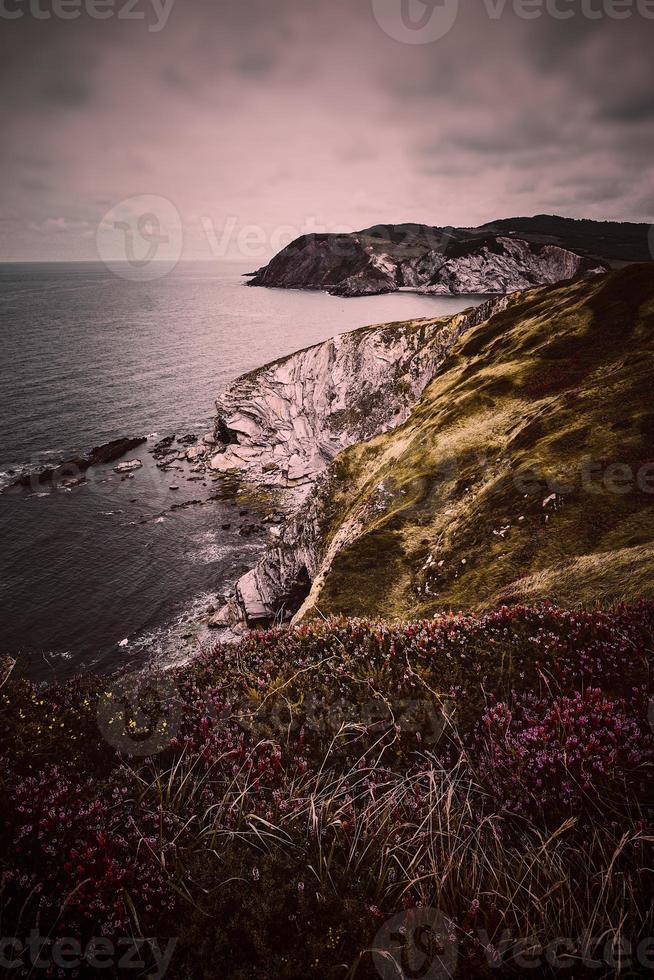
{"type": "Point", "coordinates": [240, 124]}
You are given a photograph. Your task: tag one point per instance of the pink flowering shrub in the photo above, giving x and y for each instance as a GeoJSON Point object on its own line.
{"type": "Point", "coordinates": [81, 855]}
{"type": "Point", "coordinates": [311, 775]}
{"type": "Point", "coordinates": [556, 756]}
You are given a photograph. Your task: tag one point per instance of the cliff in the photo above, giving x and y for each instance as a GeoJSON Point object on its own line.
{"type": "Point", "coordinates": [466, 447]}
{"type": "Point", "coordinates": [360, 265]}
{"type": "Point", "coordinates": [503, 265]}
{"type": "Point", "coordinates": [282, 424]}
{"type": "Point", "coordinates": [500, 257]}
{"type": "Point", "coordinates": [280, 427]}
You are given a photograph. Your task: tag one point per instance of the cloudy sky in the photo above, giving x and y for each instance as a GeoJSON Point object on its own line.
{"type": "Point", "coordinates": [260, 119]}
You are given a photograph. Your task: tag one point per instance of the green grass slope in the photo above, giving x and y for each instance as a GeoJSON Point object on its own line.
{"type": "Point", "coordinates": [525, 472]}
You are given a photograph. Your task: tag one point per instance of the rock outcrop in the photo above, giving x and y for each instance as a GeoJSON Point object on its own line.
{"type": "Point", "coordinates": [73, 470]}
{"type": "Point", "coordinates": [446, 261]}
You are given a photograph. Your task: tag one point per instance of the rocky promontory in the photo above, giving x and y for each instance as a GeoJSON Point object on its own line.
{"type": "Point", "coordinates": [500, 257]}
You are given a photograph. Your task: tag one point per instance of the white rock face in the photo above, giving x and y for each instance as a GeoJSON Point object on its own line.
{"type": "Point", "coordinates": [287, 421]}
{"type": "Point", "coordinates": [505, 265]}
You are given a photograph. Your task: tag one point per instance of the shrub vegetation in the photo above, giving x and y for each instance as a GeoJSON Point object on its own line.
{"type": "Point", "coordinates": [314, 782]}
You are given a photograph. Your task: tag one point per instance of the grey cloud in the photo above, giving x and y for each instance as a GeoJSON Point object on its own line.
{"type": "Point", "coordinates": [278, 110]}
{"type": "Point", "coordinates": [174, 78]}
{"type": "Point", "coordinates": [591, 190]}
{"type": "Point", "coordinates": [525, 134]}
{"type": "Point", "coordinates": [635, 109]}
{"type": "Point", "coordinates": [69, 92]}
{"type": "Point", "coordinates": [34, 184]}
{"type": "Point", "coordinates": [256, 63]}
{"type": "Point", "coordinates": [554, 44]}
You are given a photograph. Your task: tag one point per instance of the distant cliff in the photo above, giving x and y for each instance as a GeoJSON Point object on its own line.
{"type": "Point", "coordinates": [497, 258]}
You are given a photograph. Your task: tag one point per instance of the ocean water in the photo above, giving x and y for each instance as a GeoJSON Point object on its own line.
{"type": "Point", "coordinates": [86, 357]}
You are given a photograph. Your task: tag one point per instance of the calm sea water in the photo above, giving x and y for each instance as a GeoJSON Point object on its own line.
{"type": "Point", "coordinates": [88, 357]}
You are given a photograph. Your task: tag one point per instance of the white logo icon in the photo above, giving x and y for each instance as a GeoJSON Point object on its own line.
{"type": "Point", "coordinates": [416, 21]}
{"type": "Point", "coordinates": [416, 944]}
{"type": "Point", "coordinates": [139, 716]}
{"type": "Point", "coordinates": [141, 237]}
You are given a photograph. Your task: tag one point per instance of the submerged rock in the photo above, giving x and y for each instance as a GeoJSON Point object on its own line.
{"type": "Point", "coordinates": [128, 466]}
{"type": "Point", "coordinates": [163, 447]}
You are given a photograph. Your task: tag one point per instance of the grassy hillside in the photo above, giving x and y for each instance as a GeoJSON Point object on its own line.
{"type": "Point", "coordinates": [525, 472]}
{"type": "Point", "coordinates": [614, 241]}
{"type": "Point", "coordinates": [617, 241]}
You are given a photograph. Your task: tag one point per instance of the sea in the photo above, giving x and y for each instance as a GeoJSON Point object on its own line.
{"type": "Point", "coordinates": [113, 573]}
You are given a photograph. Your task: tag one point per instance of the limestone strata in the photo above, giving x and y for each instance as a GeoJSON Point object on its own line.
{"type": "Point", "coordinates": [505, 265]}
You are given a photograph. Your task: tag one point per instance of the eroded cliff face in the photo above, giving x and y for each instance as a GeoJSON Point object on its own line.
{"type": "Point", "coordinates": [442, 261]}
{"type": "Point", "coordinates": [281, 425]}
{"type": "Point", "coordinates": [504, 265]}
{"type": "Point", "coordinates": [280, 428]}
